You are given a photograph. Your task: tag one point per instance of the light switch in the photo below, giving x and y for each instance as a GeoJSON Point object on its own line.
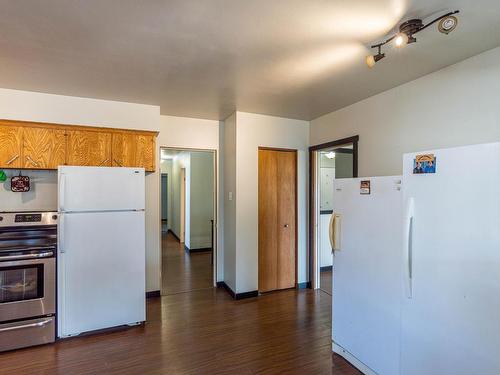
{"type": "Point", "coordinates": [230, 195]}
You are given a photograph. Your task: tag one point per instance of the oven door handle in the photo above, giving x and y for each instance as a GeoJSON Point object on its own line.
{"type": "Point", "coordinates": [45, 254]}
{"type": "Point", "coordinates": [31, 325]}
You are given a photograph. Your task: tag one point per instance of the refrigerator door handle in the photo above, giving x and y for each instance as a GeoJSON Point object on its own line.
{"type": "Point", "coordinates": [62, 192]}
{"type": "Point", "coordinates": [334, 231]}
{"type": "Point", "coordinates": [408, 245]}
{"type": "Point", "coordinates": [62, 247]}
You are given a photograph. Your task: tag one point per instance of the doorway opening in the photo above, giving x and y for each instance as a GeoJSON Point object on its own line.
{"type": "Point", "coordinates": [189, 201]}
{"type": "Point", "coordinates": [328, 161]}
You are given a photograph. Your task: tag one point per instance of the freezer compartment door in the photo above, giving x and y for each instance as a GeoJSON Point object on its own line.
{"type": "Point", "coordinates": [101, 271]}
{"type": "Point", "coordinates": [100, 189]}
{"type": "Point", "coordinates": [450, 324]}
{"type": "Point", "coordinates": [367, 273]}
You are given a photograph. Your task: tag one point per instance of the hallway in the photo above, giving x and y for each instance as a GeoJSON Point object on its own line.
{"type": "Point", "coordinates": [182, 271]}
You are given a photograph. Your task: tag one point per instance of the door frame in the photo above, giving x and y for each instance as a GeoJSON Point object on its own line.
{"type": "Point", "coordinates": [215, 209]}
{"type": "Point", "coordinates": [295, 151]}
{"type": "Point", "coordinates": [314, 201]}
{"type": "Point", "coordinates": [183, 206]}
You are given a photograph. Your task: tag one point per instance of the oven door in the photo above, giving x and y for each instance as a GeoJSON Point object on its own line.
{"type": "Point", "coordinates": [27, 286]}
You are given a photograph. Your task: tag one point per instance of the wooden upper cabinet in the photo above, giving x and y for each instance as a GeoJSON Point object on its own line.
{"type": "Point", "coordinates": [43, 148]}
{"type": "Point", "coordinates": [134, 150]}
{"type": "Point", "coordinates": [10, 146]}
{"type": "Point", "coordinates": [89, 148]}
{"type": "Point", "coordinates": [36, 145]}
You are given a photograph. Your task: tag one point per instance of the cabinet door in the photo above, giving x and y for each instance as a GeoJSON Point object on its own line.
{"type": "Point", "coordinates": [43, 148]}
{"type": "Point", "coordinates": [89, 148]}
{"type": "Point", "coordinates": [10, 146]}
{"type": "Point", "coordinates": [134, 150]}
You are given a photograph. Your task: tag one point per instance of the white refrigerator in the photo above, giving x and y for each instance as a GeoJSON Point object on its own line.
{"type": "Point", "coordinates": [451, 263]}
{"type": "Point", "coordinates": [101, 248]}
{"type": "Point", "coordinates": [367, 272]}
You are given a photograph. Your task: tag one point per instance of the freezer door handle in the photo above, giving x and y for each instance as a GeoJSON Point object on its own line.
{"type": "Point", "coordinates": [334, 231]}
{"type": "Point", "coordinates": [408, 246]}
{"type": "Point", "coordinates": [62, 191]}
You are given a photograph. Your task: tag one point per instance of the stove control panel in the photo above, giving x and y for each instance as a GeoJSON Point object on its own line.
{"type": "Point", "coordinates": [28, 218]}
{"type": "Point", "coordinates": [21, 219]}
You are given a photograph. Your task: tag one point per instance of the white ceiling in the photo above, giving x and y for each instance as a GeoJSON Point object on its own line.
{"type": "Point", "coordinates": [206, 58]}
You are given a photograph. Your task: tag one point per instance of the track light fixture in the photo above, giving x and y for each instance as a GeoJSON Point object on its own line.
{"type": "Point", "coordinates": [447, 23]}
{"type": "Point", "coordinates": [371, 60]}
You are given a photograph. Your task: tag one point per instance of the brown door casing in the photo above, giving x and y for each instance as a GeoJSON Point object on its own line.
{"type": "Point", "coordinates": [312, 194]}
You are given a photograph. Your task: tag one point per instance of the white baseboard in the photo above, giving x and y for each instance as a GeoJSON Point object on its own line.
{"type": "Point", "coordinates": [352, 359]}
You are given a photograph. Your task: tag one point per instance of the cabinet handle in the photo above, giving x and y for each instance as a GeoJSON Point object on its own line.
{"type": "Point", "coordinates": [12, 159]}
{"type": "Point", "coordinates": [31, 325]}
{"type": "Point", "coordinates": [117, 162]}
{"type": "Point", "coordinates": [32, 161]}
{"type": "Point", "coordinates": [286, 225]}
{"type": "Point", "coordinates": [104, 162]}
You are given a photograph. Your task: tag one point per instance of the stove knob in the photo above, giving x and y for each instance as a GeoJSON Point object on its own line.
{"type": "Point", "coordinates": [1, 218]}
{"type": "Point", "coordinates": [54, 217]}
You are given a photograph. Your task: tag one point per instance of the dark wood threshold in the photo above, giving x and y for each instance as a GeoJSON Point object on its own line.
{"type": "Point", "coordinates": [153, 294]}
{"type": "Point", "coordinates": [325, 268]}
{"type": "Point", "coordinates": [237, 296]}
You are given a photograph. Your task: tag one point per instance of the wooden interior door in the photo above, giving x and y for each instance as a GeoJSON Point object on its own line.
{"type": "Point", "coordinates": [89, 148]}
{"type": "Point", "coordinates": [277, 219]}
{"type": "Point", "coordinates": [133, 150]}
{"type": "Point", "coordinates": [43, 148]}
{"type": "Point", "coordinates": [10, 146]}
{"type": "Point", "coordinates": [287, 180]}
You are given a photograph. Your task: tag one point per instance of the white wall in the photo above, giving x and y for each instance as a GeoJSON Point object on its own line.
{"type": "Point", "coordinates": [181, 161]}
{"type": "Point", "coordinates": [201, 199]}
{"type": "Point", "coordinates": [31, 106]}
{"type": "Point", "coordinates": [458, 105]}
{"type": "Point", "coordinates": [254, 131]}
{"type": "Point", "coordinates": [182, 132]}
{"type": "Point", "coordinates": [228, 140]}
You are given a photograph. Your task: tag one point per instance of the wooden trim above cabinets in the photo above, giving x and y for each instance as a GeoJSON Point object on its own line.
{"type": "Point", "coordinates": [39, 145]}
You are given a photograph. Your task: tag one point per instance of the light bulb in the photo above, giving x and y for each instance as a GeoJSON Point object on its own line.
{"type": "Point", "coordinates": [370, 61]}
{"type": "Point", "coordinates": [401, 40]}
{"type": "Point", "coordinates": [330, 155]}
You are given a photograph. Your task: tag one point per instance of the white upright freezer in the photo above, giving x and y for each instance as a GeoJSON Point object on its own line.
{"type": "Point", "coordinates": [101, 248]}
{"type": "Point", "coordinates": [367, 273]}
{"type": "Point", "coordinates": [451, 267]}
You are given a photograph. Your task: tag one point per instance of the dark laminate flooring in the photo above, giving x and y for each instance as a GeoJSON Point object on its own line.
{"type": "Point", "coordinates": [325, 281]}
{"type": "Point", "coordinates": [202, 332]}
{"type": "Point", "coordinates": [182, 271]}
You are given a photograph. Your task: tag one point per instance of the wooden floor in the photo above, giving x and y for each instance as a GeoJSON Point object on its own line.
{"type": "Point", "coordinates": [182, 271]}
{"type": "Point", "coordinates": [201, 332]}
{"type": "Point", "coordinates": [325, 281]}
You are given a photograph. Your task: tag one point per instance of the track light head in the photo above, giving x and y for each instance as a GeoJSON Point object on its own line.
{"type": "Point", "coordinates": [401, 40]}
{"type": "Point", "coordinates": [447, 24]}
{"type": "Point", "coordinates": [371, 60]}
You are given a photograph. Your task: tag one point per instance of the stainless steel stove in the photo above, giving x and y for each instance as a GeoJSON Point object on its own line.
{"type": "Point", "coordinates": [28, 248]}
